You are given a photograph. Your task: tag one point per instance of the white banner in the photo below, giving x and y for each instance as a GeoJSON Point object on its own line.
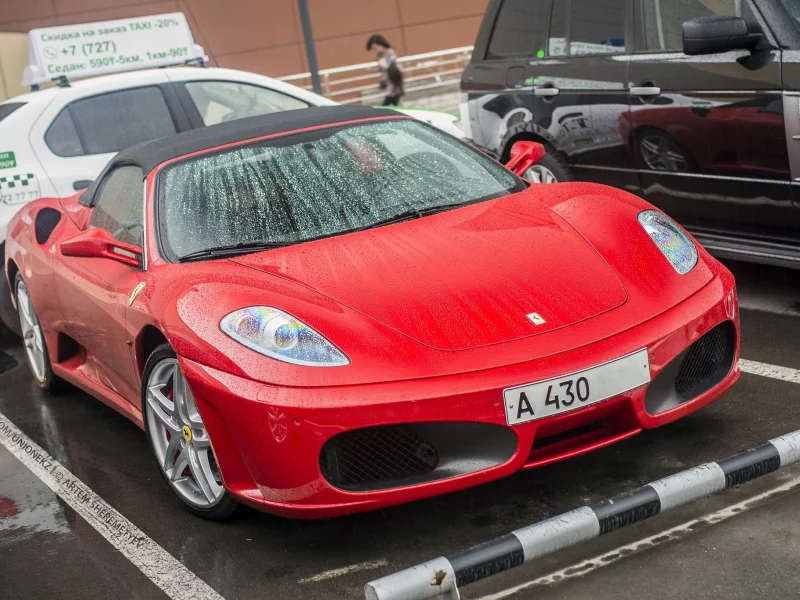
{"type": "Point", "coordinates": [109, 47]}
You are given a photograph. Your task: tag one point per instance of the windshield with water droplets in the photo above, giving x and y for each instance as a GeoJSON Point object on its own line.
{"type": "Point", "coordinates": [318, 184]}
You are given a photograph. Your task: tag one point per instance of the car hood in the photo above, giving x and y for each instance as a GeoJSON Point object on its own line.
{"type": "Point", "coordinates": [461, 279]}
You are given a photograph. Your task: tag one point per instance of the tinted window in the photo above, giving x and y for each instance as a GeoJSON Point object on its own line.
{"type": "Point", "coordinates": [321, 183]}
{"type": "Point", "coordinates": [111, 122]}
{"type": "Point", "coordinates": [520, 29]}
{"type": "Point", "coordinates": [8, 108]}
{"type": "Point", "coordinates": [220, 101]}
{"type": "Point", "coordinates": [595, 27]}
{"type": "Point", "coordinates": [62, 137]}
{"type": "Point", "coordinates": [119, 207]}
{"type": "Point", "coordinates": [793, 6]}
{"type": "Point", "coordinates": [661, 27]}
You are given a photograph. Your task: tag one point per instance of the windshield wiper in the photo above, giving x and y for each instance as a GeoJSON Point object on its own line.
{"type": "Point", "coordinates": [406, 215]}
{"type": "Point", "coordinates": [442, 207]}
{"type": "Point", "coordinates": [232, 249]}
{"type": "Point", "coordinates": [414, 213]}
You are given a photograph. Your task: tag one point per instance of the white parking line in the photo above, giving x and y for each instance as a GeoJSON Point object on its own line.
{"type": "Point", "coordinates": [365, 566]}
{"type": "Point", "coordinates": [178, 582]}
{"type": "Point", "coordinates": [676, 533]}
{"type": "Point", "coordinates": [772, 371]}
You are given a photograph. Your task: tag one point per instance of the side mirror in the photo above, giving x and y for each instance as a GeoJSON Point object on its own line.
{"type": "Point", "coordinates": [524, 155]}
{"type": "Point", "coordinates": [98, 243]}
{"type": "Point", "coordinates": [710, 35]}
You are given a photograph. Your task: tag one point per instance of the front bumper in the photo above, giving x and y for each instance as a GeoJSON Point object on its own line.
{"type": "Point", "coordinates": [268, 439]}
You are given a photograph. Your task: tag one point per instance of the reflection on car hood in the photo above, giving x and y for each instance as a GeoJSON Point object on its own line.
{"type": "Point", "coordinates": [461, 279]}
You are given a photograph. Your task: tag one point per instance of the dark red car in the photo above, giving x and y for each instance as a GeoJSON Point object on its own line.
{"type": "Point", "coordinates": [339, 309]}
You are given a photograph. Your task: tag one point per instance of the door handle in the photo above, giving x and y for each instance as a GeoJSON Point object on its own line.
{"type": "Point", "coordinates": [81, 184]}
{"type": "Point", "coordinates": [645, 91]}
{"type": "Point", "coordinates": [547, 91]}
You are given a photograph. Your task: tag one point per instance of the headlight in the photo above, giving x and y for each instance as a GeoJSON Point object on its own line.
{"type": "Point", "coordinates": [670, 239]}
{"type": "Point", "coordinates": [279, 335]}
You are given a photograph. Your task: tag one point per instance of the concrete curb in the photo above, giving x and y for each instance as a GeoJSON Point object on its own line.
{"type": "Point", "coordinates": [441, 577]}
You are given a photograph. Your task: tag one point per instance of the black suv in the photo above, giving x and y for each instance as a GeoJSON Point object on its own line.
{"type": "Point", "coordinates": [691, 104]}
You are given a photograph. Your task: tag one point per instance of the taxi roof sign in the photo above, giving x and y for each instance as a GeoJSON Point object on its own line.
{"type": "Point", "coordinates": [106, 47]}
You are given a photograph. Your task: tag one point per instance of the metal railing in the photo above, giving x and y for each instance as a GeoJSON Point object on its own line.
{"type": "Point", "coordinates": [358, 84]}
{"type": "Point", "coordinates": [441, 578]}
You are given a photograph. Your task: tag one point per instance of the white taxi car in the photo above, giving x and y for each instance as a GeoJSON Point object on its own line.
{"type": "Point", "coordinates": [55, 141]}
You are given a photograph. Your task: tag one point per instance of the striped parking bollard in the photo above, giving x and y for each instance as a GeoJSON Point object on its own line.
{"type": "Point", "coordinates": [440, 578]}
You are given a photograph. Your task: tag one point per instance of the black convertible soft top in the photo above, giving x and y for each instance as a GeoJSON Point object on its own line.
{"type": "Point", "coordinates": [148, 155]}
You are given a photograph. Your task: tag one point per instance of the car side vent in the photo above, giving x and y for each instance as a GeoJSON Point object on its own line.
{"type": "Point", "coordinates": [46, 221]}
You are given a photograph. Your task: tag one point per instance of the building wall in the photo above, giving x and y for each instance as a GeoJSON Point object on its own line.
{"type": "Point", "coordinates": [265, 36]}
{"type": "Point", "coordinates": [13, 58]}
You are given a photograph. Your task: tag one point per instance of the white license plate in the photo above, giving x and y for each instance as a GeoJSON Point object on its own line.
{"type": "Point", "coordinates": [570, 392]}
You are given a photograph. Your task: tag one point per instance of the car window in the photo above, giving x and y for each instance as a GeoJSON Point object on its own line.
{"type": "Point", "coordinates": [320, 183]}
{"type": "Point", "coordinates": [793, 6]}
{"type": "Point", "coordinates": [8, 108]}
{"type": "Point", "coordinates": [110, 122]}
{"type": "Point", "coordinates": [62, 137]}
{"type": "Point", "coordinates": [520, 29]}
{"type": "Point", "coordinates": [221, 101]}
{"type": "Point", "coordinates": [594, 27]}
{"type": "Point", "coordinates": [119, 207]}
{"type": "Point", "coordinates": [660, 24]}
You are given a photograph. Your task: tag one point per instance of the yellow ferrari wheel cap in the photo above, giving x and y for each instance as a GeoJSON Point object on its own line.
{"type": "Point", "coordinates": [187, 433]}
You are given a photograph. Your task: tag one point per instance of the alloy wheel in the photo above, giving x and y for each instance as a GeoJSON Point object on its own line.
{"type": "Point", "coordinates": [540, 174]}
{"type": "Point", "coordinates": [662, 154]}
{"type": "Point", "coordinates": [179, 437]}
{"type": "Point", "coordinates": [32, 335]}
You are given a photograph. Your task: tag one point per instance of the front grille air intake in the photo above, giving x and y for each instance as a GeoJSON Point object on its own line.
{"type": "Point", "coordinates": [694, 371]}
{"type": "Point", "coordinates": [706, 363]}
{"type": "Point", "coordinates": [362, 458]}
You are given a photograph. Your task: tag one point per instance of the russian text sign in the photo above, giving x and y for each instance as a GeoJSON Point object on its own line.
{"type": "Point", "coordinates": [109, 47]}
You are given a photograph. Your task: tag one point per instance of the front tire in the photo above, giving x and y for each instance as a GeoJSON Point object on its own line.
{"type": "Point", "coordinates": [179, 440]}
{"type": "Point", "coordinates": [33, 339]}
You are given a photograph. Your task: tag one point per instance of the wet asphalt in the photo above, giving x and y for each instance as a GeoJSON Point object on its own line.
{"type": "Point", "coordinates": [48, 551]}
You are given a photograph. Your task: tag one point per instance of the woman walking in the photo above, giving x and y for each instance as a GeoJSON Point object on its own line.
{"type": "Point", "coordinates": [391, 75]}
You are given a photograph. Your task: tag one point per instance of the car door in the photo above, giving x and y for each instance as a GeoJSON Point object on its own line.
{"type": "Point", "coordinates": [94, 292]}
{"type": "Point", "coordinates": [79, 132]}
{"type": "Point", "coordinates": [588, 68]}
{"type": "Point", "coordinates": [708, 131]}
{"type": "Point", "coordinates": [569, 88]}
{"type": "Point", "coordinates": [787, 13]}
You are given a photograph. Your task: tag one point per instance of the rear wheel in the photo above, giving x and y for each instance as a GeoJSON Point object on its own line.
{"type": "Point", "coordinates": [179, 439]}
{"type": "Point", "coordinates": [8, 316]}
{"type": "Point", "coordinates": [33, 339]}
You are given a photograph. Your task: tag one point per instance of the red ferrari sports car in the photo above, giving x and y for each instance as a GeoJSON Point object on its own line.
{"type": "Point", "coordinates": [339, 309]}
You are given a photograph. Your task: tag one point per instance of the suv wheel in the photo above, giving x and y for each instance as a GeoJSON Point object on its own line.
{"type": "Point", "coordinates": [552, 168]}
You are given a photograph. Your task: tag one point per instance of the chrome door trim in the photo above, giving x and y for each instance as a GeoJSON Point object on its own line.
{"type": "Point", "coordinates": [696, 175]}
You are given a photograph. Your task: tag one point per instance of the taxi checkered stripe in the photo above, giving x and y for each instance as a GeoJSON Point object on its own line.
{"type": "Point", "coordinates": [15, 181]}
{"type": "Point", "coordinates": [440, 577]}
